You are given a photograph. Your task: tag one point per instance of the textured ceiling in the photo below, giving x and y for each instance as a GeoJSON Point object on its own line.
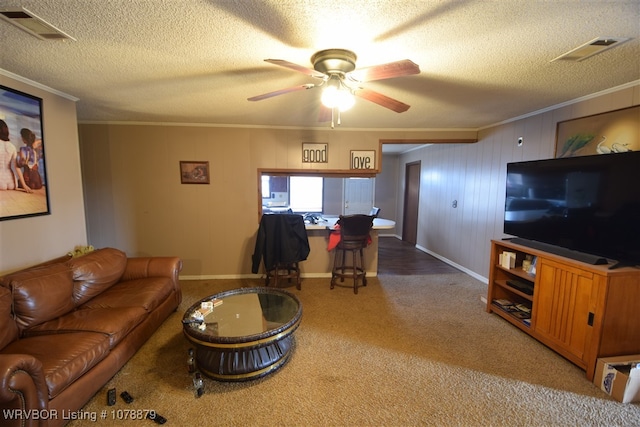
{"type": "Point", "coordinates": [482, 62]}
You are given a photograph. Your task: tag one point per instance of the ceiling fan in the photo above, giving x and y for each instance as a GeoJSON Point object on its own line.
{"type": "Point", "coordinates": [336, 68]}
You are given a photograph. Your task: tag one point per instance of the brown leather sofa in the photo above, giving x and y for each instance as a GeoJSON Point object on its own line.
{"type": "Point", "coordinates": [67, 326]}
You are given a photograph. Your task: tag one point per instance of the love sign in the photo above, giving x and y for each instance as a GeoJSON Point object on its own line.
{"type": "Point", "coordinates": [363, 159]}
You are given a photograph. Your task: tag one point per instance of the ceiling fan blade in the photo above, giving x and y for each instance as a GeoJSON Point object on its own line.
{"type": "Point", "coordinates": [296, 67]}
{"type": "Point", "coordinates": [382, 100]}
{"type": "Point", "coordinates": [325, 114]}
{"type": "Point", "coordinates": [405, 67]}
{"type": "Point", "coordinates": [281, 92]}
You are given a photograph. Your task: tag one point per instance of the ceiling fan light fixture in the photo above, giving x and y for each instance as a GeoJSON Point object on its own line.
{"type": "Point", "coordinates": [337, 95]}
{"type": "Point", "coordinates": [336, 68]}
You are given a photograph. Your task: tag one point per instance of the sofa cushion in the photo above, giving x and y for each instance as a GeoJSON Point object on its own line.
{"type": "Point", "coordinates": [9, 329]}
{"type": "Point", "coordinates": [95, 272]}
{"type": "Point", "coordinates": [4, 280]}
{"type": "Point", "coordinates": [64, 357]}
{"type": "Point", "coordinates": [146, 293]}
{"type": "Point", "coordinates": [114, 322]}
{"type": "Point", "coordinates": [41, 294]}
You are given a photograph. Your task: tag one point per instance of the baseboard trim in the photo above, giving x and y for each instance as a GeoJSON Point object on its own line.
{"type": "Point", "coordinates": [328, 275]}
{"type": "Point", "coordinates": [453, 264]}
{"type": "Point", "coordinates": [257, 276]}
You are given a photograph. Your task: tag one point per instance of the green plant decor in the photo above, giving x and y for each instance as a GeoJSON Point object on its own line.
{"type": "Point", "coordinates": [576, 142]}
{"type": "Point", "coordinates": [80, 250]}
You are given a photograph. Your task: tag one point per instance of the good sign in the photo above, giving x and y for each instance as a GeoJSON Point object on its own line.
{"type": "Point", "coordinates": [314, 153]}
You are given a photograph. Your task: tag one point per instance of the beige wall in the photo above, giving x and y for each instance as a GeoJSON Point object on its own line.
{"type": "Point", "coordinates": [135, 202]}
{"type": "Point", "coordinates": [474, 175]}
{"type": "Point", "coordinates": [134, 199]}
{"type": "Point", "coordinates": [27, 241]}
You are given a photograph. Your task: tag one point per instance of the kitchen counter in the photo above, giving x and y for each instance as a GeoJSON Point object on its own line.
{"type": "Point", "coordinates": [330, 221]}
{"type": "Point", "coordinates": [320, 260]}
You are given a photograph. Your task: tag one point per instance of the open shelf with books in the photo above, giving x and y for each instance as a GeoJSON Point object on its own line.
{"type": "Point", "coordinates": [574, 308]}
{"type": "Point", "coordinates": [511, 286]}
{"type": "Point", "coordinates": [517, 313]}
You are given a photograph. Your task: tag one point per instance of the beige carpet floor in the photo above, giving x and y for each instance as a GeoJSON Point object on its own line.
{"type": "Point", "coordinates": [405, 351]}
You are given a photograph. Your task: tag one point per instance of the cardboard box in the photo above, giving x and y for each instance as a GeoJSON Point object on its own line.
{"type": "Point", "coordinates": [619, 377]}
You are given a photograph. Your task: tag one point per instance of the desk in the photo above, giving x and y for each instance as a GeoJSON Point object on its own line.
{"type": "Point", "coordinates": [320, 261]}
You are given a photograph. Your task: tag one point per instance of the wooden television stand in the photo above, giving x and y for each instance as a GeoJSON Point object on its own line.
{"type": "Point", "coordinates": [581, 311]}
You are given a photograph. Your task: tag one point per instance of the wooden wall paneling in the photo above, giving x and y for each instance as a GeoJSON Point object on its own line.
{"type": "Point", "coordinates": [478, 213]}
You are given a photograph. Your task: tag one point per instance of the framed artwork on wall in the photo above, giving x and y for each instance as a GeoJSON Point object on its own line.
{"type": "Point", "coordinates": [23, 173]}
{"type": "Point", "coordinates": [612, 132]}
{"type": "Point", "coordinates": [194, 172]}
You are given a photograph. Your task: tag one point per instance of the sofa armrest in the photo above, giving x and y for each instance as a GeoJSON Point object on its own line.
{"type": "Point", "coordinates": [22, 384]}
{"type": "Point", "coordinates": [143, 267]}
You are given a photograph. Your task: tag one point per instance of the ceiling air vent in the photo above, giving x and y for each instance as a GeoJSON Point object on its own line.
{"type": "Point", "coordinates": [590, 48]}
{"type": "Point", "coordinates": [34, 25]}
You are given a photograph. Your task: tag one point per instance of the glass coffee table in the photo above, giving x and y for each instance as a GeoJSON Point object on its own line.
{"type": "Point", "coordinates": [242, 334]}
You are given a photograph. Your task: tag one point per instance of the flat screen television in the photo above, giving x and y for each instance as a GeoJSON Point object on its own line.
{"type": "Point", "coordinates": [587, 204]}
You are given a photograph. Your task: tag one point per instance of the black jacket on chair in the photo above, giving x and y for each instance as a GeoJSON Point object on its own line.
{"type": "Point", "coordinates": [282, 238]}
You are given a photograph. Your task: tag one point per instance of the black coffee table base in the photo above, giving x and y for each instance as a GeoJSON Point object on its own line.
{"type": "Point", "coordinates": [242, 364]}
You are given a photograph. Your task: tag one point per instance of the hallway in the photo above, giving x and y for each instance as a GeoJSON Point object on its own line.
{"type": "Point", "coordinates": [396, 257]}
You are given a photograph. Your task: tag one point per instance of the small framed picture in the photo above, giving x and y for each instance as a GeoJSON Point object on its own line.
{"type": "Point", "coordinates": [194, 172]}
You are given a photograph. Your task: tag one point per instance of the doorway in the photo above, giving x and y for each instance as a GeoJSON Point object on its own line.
{"type": "Point", "coordinates": [411, 202]}
{"type": "Point", "coordinates": [358, 195]}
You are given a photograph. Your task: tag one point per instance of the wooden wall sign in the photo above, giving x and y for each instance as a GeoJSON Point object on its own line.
{"type": "Point", "coordinates": [314, 153]}
{"type": "Point", "coordinates": [363, 159]}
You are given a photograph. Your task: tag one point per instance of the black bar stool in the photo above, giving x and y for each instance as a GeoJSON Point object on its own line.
{"type": "Point", "coordinates": [281, 244]}
{"type": "Point", "coordinates": [354, 237]}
